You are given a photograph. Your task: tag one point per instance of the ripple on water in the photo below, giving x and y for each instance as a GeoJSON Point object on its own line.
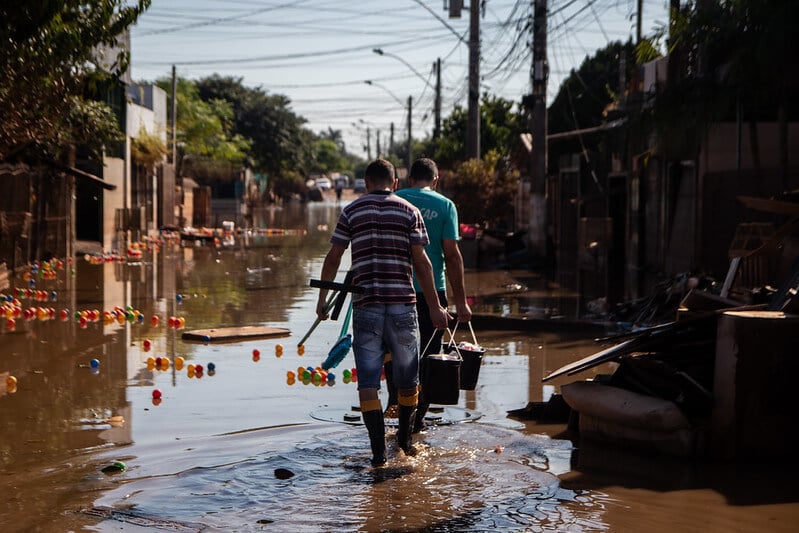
{"type": "Point", "coordinates": [461, 481]}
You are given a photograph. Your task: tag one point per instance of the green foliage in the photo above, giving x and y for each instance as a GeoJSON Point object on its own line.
{"type": "Point", "coordinates": [204, 133]}
{"type": "Point", "coordinates": [148, 149]}
{"type": "Point", "coordinates": [452, 142]}
{"type": "Point", "coordinates": [727, 53]}
{"type": "Point", "coordinates": [586, 93]}
{"type": "Point", "coordinates": [47, 57]}
{"type": "Point", "coordinates": [483, 190]}
{"type": "Point", "coordinates": [647, 50]}
{"type": "Point", "coordinates": [328, 157]}
{"type": "Point", "coordinates": [500, 125]}
{"type": "Point", "coordinates": [276, 132]}
{"type": "Point", "coordinates": [280, 144]}
{"type": "Point", "coordinates": [92, 124]}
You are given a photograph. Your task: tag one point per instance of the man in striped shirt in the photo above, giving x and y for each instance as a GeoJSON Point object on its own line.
{"type": "Point", "coordinates": [388, 239]}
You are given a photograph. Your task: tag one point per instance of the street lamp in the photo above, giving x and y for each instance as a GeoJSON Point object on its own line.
{"type": "Point", "coordinates": [390, 93]}
{"type": "Point", "coordinates": [381, 52]}
{"type": "Point", "coordinates": [436, 89]}
{"type": "Point", "coordinates": [410, 111]}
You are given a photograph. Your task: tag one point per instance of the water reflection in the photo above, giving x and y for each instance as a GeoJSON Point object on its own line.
{"type": "Point", "coordinates": [205, 455]}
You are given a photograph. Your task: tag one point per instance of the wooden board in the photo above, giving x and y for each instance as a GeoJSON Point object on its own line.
{"type": "Point", "coordinates": [779, 207]}
{"type": "Point", "coordinates": [593, 360]}
{"type": "Point", "coordinates": [670, 334]}
{"type": "Point", "coordinates": [234, 334]}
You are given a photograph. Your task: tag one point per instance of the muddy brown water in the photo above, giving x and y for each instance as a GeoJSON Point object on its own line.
{"type": "Point", "coordinates": [243, 448]}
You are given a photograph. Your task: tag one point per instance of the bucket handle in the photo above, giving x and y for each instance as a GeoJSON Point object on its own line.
{"type": "Point", "coordinates": [471, 329]}
{"type": "Point", "coordinates": [450, 343]}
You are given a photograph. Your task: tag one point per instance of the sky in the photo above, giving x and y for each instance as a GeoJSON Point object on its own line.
{"type": "Point", "coordinates": [320, 53]}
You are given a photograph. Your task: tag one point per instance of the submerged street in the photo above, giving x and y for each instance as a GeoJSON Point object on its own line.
{"type": "Point", "coordinates": [106, 431]}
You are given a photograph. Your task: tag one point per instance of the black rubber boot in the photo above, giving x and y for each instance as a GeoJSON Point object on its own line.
{"type": "Point", "coordinates": [405, 424]}
{"type": "Point", "coordinates": [421, 411]}
{"type": "Point", "coordinates": [422, 405]}
{"type": "Point", "coordinates": [373, 420]}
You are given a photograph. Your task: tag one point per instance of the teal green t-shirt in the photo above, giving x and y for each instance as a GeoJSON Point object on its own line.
{"type": "Point", "coordinates": [441, 220]}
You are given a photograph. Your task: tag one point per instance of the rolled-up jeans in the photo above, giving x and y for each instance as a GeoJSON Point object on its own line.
{"type": "Point", "coordinates": [378, 328]}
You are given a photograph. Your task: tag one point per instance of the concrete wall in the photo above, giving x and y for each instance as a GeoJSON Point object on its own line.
{"type": "Point", "coordinates": [148, 115]}
{"type": "Point", "coordinates": [719, 152]}
{"type": "Point", "coordinates": [114, 173]}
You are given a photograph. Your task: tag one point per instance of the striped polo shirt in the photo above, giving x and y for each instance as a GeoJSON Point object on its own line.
{"type": "Point", "coordinates": [381, 227]}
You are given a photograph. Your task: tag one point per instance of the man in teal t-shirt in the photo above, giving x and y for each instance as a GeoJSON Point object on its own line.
{"type": "Point", "coordinates": [441, 219]}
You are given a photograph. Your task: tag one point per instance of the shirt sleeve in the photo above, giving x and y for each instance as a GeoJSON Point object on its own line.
{"type": "Point", "coordinates": [418, 233]}
{"type": "Point", "coordinates": [341, 235]}
{"type": "Point", "coordinates": [450, 230]}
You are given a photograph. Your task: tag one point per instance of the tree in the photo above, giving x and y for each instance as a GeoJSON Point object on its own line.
{"type": "Point", "coordinates": [204, 131]}
{"type": "Point", "coordinates": [584, 96]}
{"type": "Point", "coordinates": [328, 157]}
{"type": "Point", "coordinates": [49, 61]}
{"type": "Point", "coordinates": [732, 54]}
{"type": "Point", "coordinates": [500, 124]}
{"type": "Point", "coordinates": [483, 190]}
{"type": "Point", "coordinates": [277, 133]}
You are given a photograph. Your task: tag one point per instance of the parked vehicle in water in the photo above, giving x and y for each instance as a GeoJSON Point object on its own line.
{"type": "Point", "coordinates": [323, 184]}
{"type": "Point", "coordinates": [359, 185]}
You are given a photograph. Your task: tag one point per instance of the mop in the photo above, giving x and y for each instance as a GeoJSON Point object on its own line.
{"type": "Point", "coordinates": [342, 347]}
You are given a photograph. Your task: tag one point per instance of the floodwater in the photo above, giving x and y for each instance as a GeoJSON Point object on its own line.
{"type": "Point", "coordinates": [243, 448]}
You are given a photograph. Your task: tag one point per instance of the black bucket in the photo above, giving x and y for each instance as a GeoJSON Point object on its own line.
{"type": "Point", "coordinates": [470, 367]}
{"type": "Point", "coordinates": [441, 378]}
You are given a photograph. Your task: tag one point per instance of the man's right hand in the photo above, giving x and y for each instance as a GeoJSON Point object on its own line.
{"type": "Point", "coordinates": [321, 312]}
{"type": "Point", "coordinates": [464, 312]}
{"type": "Point", "coordinates": [440, 317]}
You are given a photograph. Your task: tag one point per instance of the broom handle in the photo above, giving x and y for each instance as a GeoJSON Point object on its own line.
{"type": "Point", "coordinates": [328, 305]}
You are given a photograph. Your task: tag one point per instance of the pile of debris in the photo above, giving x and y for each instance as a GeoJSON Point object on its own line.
{"type": "Point", "coordinates": [712, 381]}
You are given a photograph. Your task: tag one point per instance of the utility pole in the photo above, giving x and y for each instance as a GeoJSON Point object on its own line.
{"type": "Point", "coordinates": [377, 144]}
{"type": "Point", "coordinates": [410, 133]}
{"type": "Point", "coordinates": [639, 21]}
{"type": "Point", "coordinates": [437, 127]}
{"type": "Point", "coordinates": [473, 125]}
{"type": "Point", "coordinates": [538, 128]}
{"type": "Point", "coordinates": [174, 117]}
{"type": "Point", "coordinates": [391, 138]}
{"type": "Point", "coordinates": [368, 143]}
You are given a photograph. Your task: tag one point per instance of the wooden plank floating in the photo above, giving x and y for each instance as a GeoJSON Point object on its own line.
{"type": "Point", "coordinates": [234, 334]}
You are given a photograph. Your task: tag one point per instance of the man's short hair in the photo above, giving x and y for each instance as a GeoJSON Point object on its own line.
{"type": "Point", "coordinates": [424, 169]}
{"type": "Point", "coordinates": [380, 172]}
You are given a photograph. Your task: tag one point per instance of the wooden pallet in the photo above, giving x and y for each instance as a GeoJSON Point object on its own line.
{"type": "Point", "coordinates": [234, 334]}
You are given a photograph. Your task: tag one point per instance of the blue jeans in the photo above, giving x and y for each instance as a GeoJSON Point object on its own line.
{"type": "Point", "coordinates": [380, 327]}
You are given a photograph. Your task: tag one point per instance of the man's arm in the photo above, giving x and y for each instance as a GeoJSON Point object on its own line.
{"type": "Point", "coordinates": [424, 275]}
{"type": "Point", "coordinates": [454, 261]}
{"type": "Point", "coordinates": [329, 271]}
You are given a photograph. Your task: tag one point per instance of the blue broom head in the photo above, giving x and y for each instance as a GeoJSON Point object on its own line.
{"type": "Point", "coordinates": [338, 352]}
